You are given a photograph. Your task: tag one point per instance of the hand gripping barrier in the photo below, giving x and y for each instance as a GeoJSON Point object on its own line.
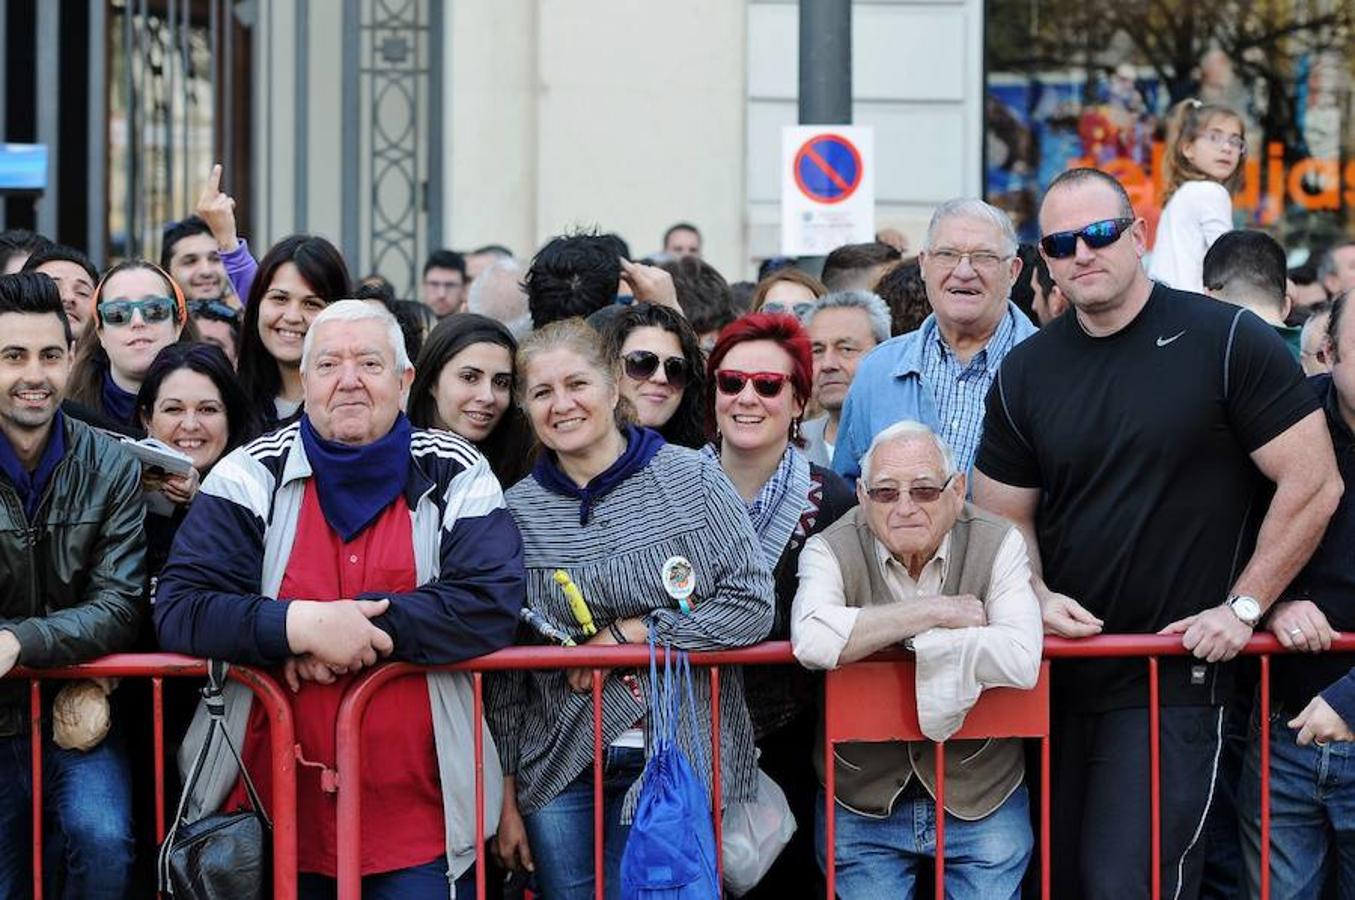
{"type": "Point", "coordinates": [157, 667]}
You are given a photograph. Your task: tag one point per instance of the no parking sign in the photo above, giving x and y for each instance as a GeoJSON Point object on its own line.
{"type": "Point", "coordinates": [827, 188]}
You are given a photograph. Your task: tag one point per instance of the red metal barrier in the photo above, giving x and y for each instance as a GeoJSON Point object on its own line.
{"type": "Point", "coordinates": [157, 666]}
{"type": "Point", "coordinates": [875, 701]}
{"type": "Point", "coordinates": [1150, 648]}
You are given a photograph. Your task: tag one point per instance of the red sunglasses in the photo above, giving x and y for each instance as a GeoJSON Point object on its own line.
{"type": "Point", "coordinates": [767, 384]}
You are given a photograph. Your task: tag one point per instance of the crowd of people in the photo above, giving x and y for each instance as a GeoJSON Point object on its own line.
{"type": "Point", "coordinates": [955, 452]}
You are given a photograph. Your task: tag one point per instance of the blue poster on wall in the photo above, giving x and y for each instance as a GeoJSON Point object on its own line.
{"type": "Point", "coordinates": [23, 167]}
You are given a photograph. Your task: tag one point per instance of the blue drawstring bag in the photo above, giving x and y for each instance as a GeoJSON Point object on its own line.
{"type": "Point", "coordinates": [670, 853]}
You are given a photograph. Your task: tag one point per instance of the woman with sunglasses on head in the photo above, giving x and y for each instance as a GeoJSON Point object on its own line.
{"type": "Point", "coordinates": [1202, 171]}
{"type": "Point", "coordinates": [138, 310]}
{"type": "Point", "coordinates": [760, 375]}
{"type": "Point", "coordinates": [653, 539]}
{"type": "Point", "coordinates": [787, 290]}
{"type": "Point", "coordinates": [662, 371]}
{"type": "Point", "coordinates": [298, 277]}
{"type": "Point", "coordinates": [463, 382]}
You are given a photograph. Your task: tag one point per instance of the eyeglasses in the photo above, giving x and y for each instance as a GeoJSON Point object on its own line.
{"type": "Point", "coordinates": [642, 364]}
{"type": "Point", "coordinates": [979, 260]}
{"type": "Point", "coordinates": [918, 493]}
{"type": "Point", "coordinates": [217, 310]}
{"type": "Point", "coordinates": [798, 310]}
{"type": "Point", "coordinates": [730, 382]}
{"type": "Point", "coordinates": [1222, 138]}
{"type": "Point", "coordinates": [153, 310]}
{"type": "Point", "coordinates": [1063, 244]}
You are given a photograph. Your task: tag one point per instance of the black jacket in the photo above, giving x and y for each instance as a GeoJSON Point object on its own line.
{"type": "Point", "coordinates": [74, 578]}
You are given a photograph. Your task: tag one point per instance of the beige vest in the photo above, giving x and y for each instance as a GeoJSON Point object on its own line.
{"type": "Point", "coordinates": [980, 774]}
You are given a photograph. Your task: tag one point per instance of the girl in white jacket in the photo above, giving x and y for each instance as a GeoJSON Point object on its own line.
{"type": "Point", "coordinates": [1202, 170]}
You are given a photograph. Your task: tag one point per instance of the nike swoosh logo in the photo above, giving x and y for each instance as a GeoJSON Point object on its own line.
{"type": "Point", "coordinates": [1162, 342]}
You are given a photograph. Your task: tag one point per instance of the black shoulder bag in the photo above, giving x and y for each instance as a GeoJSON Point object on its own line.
{"type": "Point", "coordinates": [223, 855]}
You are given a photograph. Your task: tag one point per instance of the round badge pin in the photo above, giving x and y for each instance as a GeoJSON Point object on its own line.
{"type": "Point", "coordinates": [679, 580]}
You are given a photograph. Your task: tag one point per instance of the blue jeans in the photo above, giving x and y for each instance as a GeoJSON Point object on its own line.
{"type": "Point", "coordinates": [878, 859]}
{"type": "Point", "coordinates": [425, 882]}
{"type": "Point", "coordinates": [87, 801]}
{"type": "Point", "coordinates": [1312, 813]}
{"type": "Point", "coordinates": [561, 832]}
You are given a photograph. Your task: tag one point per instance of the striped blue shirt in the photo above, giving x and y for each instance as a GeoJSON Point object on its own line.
{"type": "Point", "coordinates": [959, 388]}
{"type": "Point", "coordinates": [916, 376]}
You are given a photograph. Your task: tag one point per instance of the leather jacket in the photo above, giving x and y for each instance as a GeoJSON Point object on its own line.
{"type": "Point", "coordinates": [72, 581]}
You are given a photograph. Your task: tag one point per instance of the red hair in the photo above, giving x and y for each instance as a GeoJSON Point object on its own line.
{"type": "Point", "coordinates": [782, 329]}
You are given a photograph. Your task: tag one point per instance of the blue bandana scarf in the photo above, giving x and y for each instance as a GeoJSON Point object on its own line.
{"type": "Point", "coordinates": [777, 508]}
{"type": "Point", "coordinates": [641, 445]}
{"type": "Point", "coordinates": [118, 404]}
{"type": "Point", "coordinates": [355, 484]}
{"type": "Point", "coordinates": [30, 485]}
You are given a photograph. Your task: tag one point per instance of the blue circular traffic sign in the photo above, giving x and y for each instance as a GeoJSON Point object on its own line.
{"type": "Point", "coordinates": [828, 168]}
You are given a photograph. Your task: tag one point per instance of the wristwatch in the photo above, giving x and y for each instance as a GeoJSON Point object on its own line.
{"type": "Point", "coordinates": [1248, 609]}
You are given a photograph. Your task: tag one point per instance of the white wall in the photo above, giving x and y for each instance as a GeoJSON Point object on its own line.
{"type": "Point", "coordinates": [917, 78]}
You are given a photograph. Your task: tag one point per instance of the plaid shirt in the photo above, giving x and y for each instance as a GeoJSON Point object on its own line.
{"type": "Point", "coordinates": [915, 376]}
{"type": "Point", "coordinates": [959, 390]}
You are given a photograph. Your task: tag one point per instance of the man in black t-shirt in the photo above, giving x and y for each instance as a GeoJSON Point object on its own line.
{"type": "Point", "coordinates": [1132, 443]}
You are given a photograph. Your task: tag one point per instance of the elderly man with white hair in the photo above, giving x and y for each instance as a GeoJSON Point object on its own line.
{"type": "Point", "coordinates": [497, 292]}
{"type": "Point", "coordinates": [843, 327]}
{"type": "Point", "coordinates": [940, 373]}
{"type": "Point", "coordinates": [915, 564]}
{"type": "Point", "coordinates": [403, 549]}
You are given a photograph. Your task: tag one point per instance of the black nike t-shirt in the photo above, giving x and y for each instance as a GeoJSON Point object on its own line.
{"type": "Point", "coordinates": [1139, 443]}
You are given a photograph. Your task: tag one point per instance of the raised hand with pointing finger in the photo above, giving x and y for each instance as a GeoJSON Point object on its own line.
{"type": "Point", "coordinates": [217, 209]}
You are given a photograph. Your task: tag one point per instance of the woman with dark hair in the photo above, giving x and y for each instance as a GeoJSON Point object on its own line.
{"type": "Point", "coordinates": [663, 373]}
{"type": "Point", "coordinates": [759, 378]}
{"type": "Point", "coordinates": [298, 277]}
{"type": "Point", "coordinates": [137, 310]}
{"type": "Point", "coordinates": [463, 382]}
{"type": "Point", "coordinates": [191, 402]}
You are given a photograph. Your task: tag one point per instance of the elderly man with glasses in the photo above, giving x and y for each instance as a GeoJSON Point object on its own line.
{"type": "Point", "coordinates": [915, 564]}
{"type": "Point", "coordinates": [939, 374]}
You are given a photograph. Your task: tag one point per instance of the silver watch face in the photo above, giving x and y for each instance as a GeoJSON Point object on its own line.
{"type": "Point", "coordinates": [1247, 609]}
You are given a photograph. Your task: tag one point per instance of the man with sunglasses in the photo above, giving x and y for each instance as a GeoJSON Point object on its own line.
{"type": "Point", "coordinates": [1132, 442]}
{"type": "Point", "coordinates": [218, 323]}
{"type": "Point", "coordinates": [940, 373]}
{"type": "Point", "coordinates": [916, 564]}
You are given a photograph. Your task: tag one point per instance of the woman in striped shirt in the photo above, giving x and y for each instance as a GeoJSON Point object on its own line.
{"type": "Point", "coordinates": [620, 514]}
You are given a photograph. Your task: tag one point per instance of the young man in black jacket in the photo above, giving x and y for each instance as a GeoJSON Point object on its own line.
{"type": "Point", "coordinates": [72, 562]}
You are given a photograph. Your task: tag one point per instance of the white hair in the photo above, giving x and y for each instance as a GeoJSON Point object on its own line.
{"type": "Point", "coordinates": [971, 208]}
{"type": "Point", "coordinates": [497, 293]}
{"type": "Point", "coordinates": [866, 301]}
{"type": "Point", "coordinates": [359, 311]}
{"type": "Point", "coordinates": [907, 430]}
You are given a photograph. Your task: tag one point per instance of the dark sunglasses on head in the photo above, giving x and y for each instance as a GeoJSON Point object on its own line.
{"type": "Point", "coordinates": [918, 493]}
{"type": "Point", "coordinates": [153, 310]}
{"type": "Point", "coordinates": [1062, 244]}
{"type": "Point", "coordinates": [642, 364]}
{"type": "Point", "coordinates": [767, 384]}
{"type": "Point", "coordinates": [218, 310]}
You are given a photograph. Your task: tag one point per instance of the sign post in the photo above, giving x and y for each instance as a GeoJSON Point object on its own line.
{"type": "Point", "coordinates": [827, 188]}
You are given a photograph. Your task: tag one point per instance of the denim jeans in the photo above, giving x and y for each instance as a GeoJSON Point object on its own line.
{"type": "Point", "coordinates": [1312, 814]}
{"type": "Point", "coordinates": [87, 801]}
{"type": "Point", "coordinates": [878, 859]}
{"type": "Point", "coordinates": [425, 882]}
{"type": "Point", "coordinates": [561, 832]}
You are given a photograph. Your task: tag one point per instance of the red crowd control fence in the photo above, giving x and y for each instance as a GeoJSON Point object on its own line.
{"type": "Point", "coordinates": [870, 700]}
{"type": "Point", "coordinates": [876, 701]}
{"type": "Point", "coordinates": [157, 667]}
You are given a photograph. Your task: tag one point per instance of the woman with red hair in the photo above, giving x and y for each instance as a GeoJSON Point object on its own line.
{"type": "Point", "coordinates": [759, 377]}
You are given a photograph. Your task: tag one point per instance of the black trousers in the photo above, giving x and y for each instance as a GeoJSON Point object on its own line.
{"type": "Point", "coordinates": [1101, 801]}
